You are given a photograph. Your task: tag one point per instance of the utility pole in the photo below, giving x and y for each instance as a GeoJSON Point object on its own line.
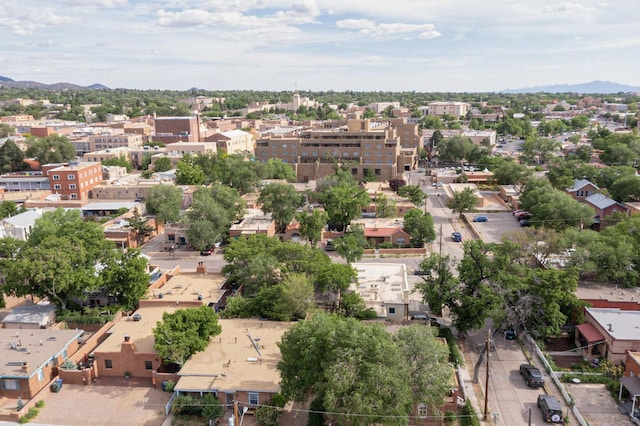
{"type": "Point", "coordinates": [486, 383]}
{"type": "Point", "coordinates": [441, 241]}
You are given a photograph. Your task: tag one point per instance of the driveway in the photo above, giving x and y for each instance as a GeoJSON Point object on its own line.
{"type": "Point", "coordinates": [596, 404]}
{"type": "Point", "coordinates": [110, 402]}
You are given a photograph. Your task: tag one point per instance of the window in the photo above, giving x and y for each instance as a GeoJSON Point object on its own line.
{"type": "Point", "coordinates": [392, 311]}
{"type": "Point", "coordinates": [378, 154]}
{"type": "Point", "coordinates": [71, 176]}
{"type": "Point", "coordinates": [294, 152]}
{"type": "Point", "coordinates": [253, 398]}
{"type": "Point", "coordinates": [73, 196]}
{"type": "Point", "coordinates": [148, 365]}
{"type": "Point", "coordinates": [40, 375]}
{"type": "Point", "coordinates": [422, 410]}
{"type": "Point", "coordinates": [55, 177]}
{"type": "Point", "coordinates": [367, 154]}
{"type": "Point", "coordinates": [377, 172]}
{"type": "Point", "coordinates": [304, 153]}
{"type": "Point", "coordinates": [284, 145]}
{"type": "Point", "coordinates": [400, 240]}
{"type": "Point", "coordinates": [57, 186]}
{"type": "Point", "coordinates": [10, 384]}
{"type": "Point", "coordinates": [72, 186]}
{"type": "Point", "coordinates": [108, 364]}
{"type": "Point", "coordinates": [366, 145]}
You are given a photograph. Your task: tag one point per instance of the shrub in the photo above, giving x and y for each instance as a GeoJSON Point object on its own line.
{"type": "Point", "coordinates": [468, 416]}
{"type": "Point", "coordinates": [454, 353]}
{"type": "Point", "coordinates": [170, 385]}
{"type": "Point", "coordinates": [450, 418]}
{"type": "Point", "coordinates": [267, 415]}
{"type": "Point", "coordinates": [69, 365]}
{"type": "Point", "coordinates": [31, 414]}
{"type": "Point", "coordinates": [40, 404]}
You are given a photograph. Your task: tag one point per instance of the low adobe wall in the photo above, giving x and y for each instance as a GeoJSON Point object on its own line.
{"type": "Point", "coordinates": [408, 250]}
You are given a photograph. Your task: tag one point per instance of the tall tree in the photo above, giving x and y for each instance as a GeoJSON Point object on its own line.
{"type": "Point", "coordinates": [463, 201]}
{"type": "Point", "coordinates": [124, 275]}
{"type": "Point", "coordinates": [51, 149]}
{"type": "Point", "coordinates": [165, 202]}
{"type": "Point", "coordinates": [351, 245]}
{"type": "Point", "coordinates": [189, 172]}
{"type": "Point", "coordinates": [282, 201]}
{"type": "Point", "coordinates": [420, 226]}
{"type": "Point", "coordinates": [312, 225]}
{"type": "Point", "coordinates": [343, 203]}
{"type": "Point", "coordinates": [185, 332]}
{"type": "Point", "coordinates": [295, 299]}
{"type": "Point", "coordinates": [11, 158]}
{"type": "Point", "coordinates": [162, 164]}
{"type": "Point", "coordinates": [414, 193]}
{"type": "Point", "coordinates": [275, 168]}
{"type": "Point", "coordinates": [140, 226]}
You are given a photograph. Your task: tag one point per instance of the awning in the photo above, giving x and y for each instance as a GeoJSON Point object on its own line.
{"type": "Point", "coordinates": [590, 333]}
{"type": "Point", "coordinates": [632, 384]}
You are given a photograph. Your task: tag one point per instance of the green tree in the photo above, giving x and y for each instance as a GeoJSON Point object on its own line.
{"type": "Point", "coordinates": [185, 332]}
{"type": "Point", "coordinates": [343, 203]}
{"type": "Point", "coordinates": [438, 286]}
{"type": "Point", "coordinates": [374, 383]}
{"type": "Point", "coordinates": [8, 208]}
{"type": "Point", "coordinates": [188, 172]}
{"type": "Point", "coordinates": [351, 245]}
{"type": "Point", "coordinates": [312, 225]}
{"type": "Point", "coordinates": [454, 149]}
{"type": "Point", "coordinates": [6, 130]}
{"type": "Point", "coordinates": [165, 202]}
{"type": "Point", "coordinates": [124, 275]}
{"type": "Point", "coordinates": [234, 171]}
{"type": "Point", "coordinates": [335, 279]}
{"type": "Point", "coordinates": [296, 298]}
{"type": "Point", "coordinates": [282, 201]}
{"type": "Point", "coordinates": [420, 226]}
{"type": "Point", "coordinates": [510, 173]}
{"type": "Point", "coordinates": [463, 201]}
{"type": "Point", "coordinates": [385, 207]}
{"type": "Point", "coordinates": [414, 193]}
{"type": "Point", "coordinates": [11, 158]}
{"type": "Point", "coordinates": [211, 213]}
{"type": "Point", "coordinates": [120, 161]}
{"type": "Point", "coordinates": [539, 150]}
{"type": "Point", "coordinates": [140, 226]}
{"type": "Point", "coordinates": [162, 164]}
{"type": "Point", "coordinates": [627, 188]}
{"type": "Point", "coordinates": [50, 149]}
{"type": "Point", "coordinates": [275, 168]}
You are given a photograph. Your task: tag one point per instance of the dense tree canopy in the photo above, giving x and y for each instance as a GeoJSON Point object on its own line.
{"type": "Point", "coordinates": [185, 332]}
{"type": "Point", "coordinates": [51, 149]}
{"type": "Point", "coordinates": [282, 201]}
{"type": "Point", "coordinates": [165, 201]}
{"type": "Point", "coordinates": [382, 384]}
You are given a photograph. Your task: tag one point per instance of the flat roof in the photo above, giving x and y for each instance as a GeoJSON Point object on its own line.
{"type": "Point", "coordinates": [231, 362]}
{"type": "Point", "coordinates": [35, 347]}
{"type": "Point", "coordinates": [140, 332]}
{"type": "Point", "coordinates": [254, 220]}
{"type": "Point", "coordinates": [381, 283]}
{"type": "Point", "coordinates": [621, 325]}
{"type": "Point", "coordinates": [186, 287]}
{"type": "Point", "coordinates": [110, 205]}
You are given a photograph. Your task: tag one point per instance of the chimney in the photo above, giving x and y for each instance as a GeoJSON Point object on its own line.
{"type": "Point", "coordinates": [25, 367]}
{"type": "Point", "coordinates": [610, 327]}
{"type": "Point", "coordinates": [201, 268]}
{"type": "Point", "coordinates": [126, 338]}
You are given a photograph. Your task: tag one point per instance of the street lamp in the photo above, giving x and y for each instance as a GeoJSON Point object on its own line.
{"type": "Point", "coordinates": [173, 251]}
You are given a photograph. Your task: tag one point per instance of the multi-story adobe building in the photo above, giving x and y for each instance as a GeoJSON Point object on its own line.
{"type": "Point", "coordinates": [455, 109]}
{"type": "Point", "coordinates": [193, 148]}
{"type": "Point", "coordinates": [110, 141]}
{"type": "Point", "coordinates": [177, 129]}
{"type": "Point", "coordinates": [360, 145]}
{"type": "Point", "coordinates": [73, 181]}
{"type": "Point", "coordinates": [108, 154]}
{"type": "Point", "coordinates": [233, 142]}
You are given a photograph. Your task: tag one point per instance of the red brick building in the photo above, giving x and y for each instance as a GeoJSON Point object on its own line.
{"type": "Point", "coordinates": [73, 181]}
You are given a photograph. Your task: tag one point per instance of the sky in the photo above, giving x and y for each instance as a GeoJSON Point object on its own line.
{"type": "Point", "coordinates": [361, 45]}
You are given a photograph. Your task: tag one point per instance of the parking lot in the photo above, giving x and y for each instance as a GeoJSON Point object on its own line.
{"type": "Point", "coordinates": [496, 226]}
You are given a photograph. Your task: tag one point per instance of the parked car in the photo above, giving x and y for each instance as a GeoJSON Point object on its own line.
{"type": "Point", "coordinates": [480, 219]}
{"type": "Point", "coordinates": [510, 334]}
{"type": "Point", "coordinates": [532, 376]}
{"type": "Point", "coordinates": [330, 246]}
{"type": "Point", "coordinates": [456, 236]}
{"type": "Point", "coordinates": [433, 321]}
{"type": "Point", "coordinates": [551, 409]}
{"type": "Point", "coordinates": [524, 223]}
{"type": "Point", "coordinates": [522, 215]}
{"type": "Point", "coordinates": [420, 272]}
{"type": "Point", "coordinates": [207, 251]}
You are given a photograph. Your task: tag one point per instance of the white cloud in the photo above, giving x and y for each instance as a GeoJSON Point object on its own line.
{"type": "Point", "coordinates": [98, 3]}
{"type": "Point", "coordinates": [365, 26]}
{"type": "Point", "coordinates": [568, 7]}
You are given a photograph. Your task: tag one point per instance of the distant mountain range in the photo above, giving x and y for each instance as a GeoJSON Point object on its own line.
{"type": "Point", "coordinates": [598, 86]}
{"type": "Point", "coordinates": [7, 82]}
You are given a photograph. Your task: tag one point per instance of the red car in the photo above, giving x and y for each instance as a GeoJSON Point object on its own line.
{"type": "Point", "coordinates": [207, 251]}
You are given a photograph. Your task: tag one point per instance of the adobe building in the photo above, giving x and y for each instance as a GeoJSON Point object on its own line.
{"type": "Point", "coordinates": [384, 287]}
{"type": "Point", "coordinates": [177, 129]}
{"type": "Point", "coordinates": [29, 359]}
{"type": "Point", "coordinates": [240, 364]}
{"type": "Point", "coordinates": [254, 222]}
{"type": "Point", "coordinates": [364, 146]}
